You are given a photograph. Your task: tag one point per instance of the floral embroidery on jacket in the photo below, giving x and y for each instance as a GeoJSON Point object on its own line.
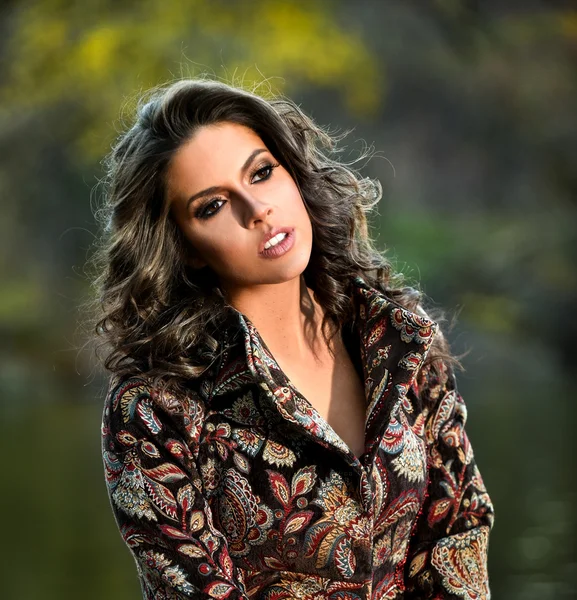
{"type": "Point", "coordinates": [240, 489]}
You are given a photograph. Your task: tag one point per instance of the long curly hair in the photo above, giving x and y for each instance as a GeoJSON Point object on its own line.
{"type": "Point", "coordinates": [158, 316]}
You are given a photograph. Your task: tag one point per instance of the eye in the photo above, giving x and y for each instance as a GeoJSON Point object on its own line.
{"type": "Point", "coordinates": [263, 173]}
{"type": "Point", "coordinates": [210, 208]}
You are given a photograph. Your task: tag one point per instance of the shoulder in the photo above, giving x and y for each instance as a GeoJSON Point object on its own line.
{"type": "Point", "coordinates": [140, 405]}
{"type": "Point", "coordinates": [439, 369]}
{"type": "Point", "coordinates": [434, 379]}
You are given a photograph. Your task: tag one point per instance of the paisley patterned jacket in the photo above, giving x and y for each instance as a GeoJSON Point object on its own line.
{"type": "Point", "coordinates": [240, 489]}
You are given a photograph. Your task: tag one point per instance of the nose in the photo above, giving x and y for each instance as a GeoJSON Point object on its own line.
{"type": "Point", "coordinates": [255, 209]}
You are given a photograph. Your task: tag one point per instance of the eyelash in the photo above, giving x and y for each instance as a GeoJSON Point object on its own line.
{"type": "Point", "coordinates": [203, 211]}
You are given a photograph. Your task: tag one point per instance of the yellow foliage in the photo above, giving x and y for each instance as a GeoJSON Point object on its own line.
{"type": "Point", "coordinates": [97, 50]}
{"type": "Point", "coordinates": [94, 56]}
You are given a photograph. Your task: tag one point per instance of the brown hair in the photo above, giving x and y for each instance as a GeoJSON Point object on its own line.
{"type": "Point", "coordinates": [155, 314]}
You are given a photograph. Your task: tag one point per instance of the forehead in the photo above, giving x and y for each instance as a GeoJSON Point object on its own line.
{"type": "Point", "coordinates": [212, 155]}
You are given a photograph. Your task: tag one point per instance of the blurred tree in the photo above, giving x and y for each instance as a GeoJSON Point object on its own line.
{"type": "Point", "coordinates": [87, 57]}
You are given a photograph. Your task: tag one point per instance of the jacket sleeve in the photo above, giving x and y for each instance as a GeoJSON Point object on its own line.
{"type": "Point", "coordinates": [149, 449]}
{"type": "Point", "coordinates": [447, 556]}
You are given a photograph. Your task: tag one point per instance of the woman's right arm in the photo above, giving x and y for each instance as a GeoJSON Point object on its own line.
{"type": "Point", "coordinates": [156, 494]}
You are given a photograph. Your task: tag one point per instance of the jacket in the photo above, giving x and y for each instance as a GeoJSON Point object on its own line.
{"type": "Point", "coordinates": [240, 489]}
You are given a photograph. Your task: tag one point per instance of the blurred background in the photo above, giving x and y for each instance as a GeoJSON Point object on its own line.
{"type": "Point", "coordinates": [472, 107]}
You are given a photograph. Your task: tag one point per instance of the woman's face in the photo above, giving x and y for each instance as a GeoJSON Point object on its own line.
{"type": "Point", "coordinates": [228, 194]}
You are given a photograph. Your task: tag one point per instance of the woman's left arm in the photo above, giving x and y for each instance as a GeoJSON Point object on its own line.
{"type": "Point", "coordinates": [447, 555]}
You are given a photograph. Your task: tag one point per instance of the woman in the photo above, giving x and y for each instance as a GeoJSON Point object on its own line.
{"type": "Point", "coordinates": [282, 420]}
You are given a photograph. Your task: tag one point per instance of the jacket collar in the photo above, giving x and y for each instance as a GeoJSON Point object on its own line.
{"type": "Point", "coordinates": [393, 345]}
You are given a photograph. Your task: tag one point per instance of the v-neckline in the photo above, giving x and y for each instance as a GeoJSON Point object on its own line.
{"type": "Point", "coordinates": [350, 337]}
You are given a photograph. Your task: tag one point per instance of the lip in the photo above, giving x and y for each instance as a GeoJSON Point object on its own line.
{"type": "Point", "coordinates": [275, 231]}
{"type": "Point", "coordinates": [282, 247]}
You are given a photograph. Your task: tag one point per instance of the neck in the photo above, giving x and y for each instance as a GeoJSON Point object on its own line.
{"type": "Point", "coordinates": [287, 317]}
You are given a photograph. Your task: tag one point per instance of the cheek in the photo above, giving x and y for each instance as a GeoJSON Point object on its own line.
{"type": "Point", "coordinates": [218, 250]}
{"type": "Point", "coordinates": [290, 202]}
{"type": "Point", "coordinates": [304, 216]}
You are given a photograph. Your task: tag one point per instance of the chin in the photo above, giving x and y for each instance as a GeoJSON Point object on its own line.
{"type": "Point", "coordinates": [287, 272]}
{"type": "Point", "coordinates": [279, 273]}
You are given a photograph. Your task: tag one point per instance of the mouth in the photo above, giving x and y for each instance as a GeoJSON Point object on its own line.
{"type": "Point", "coordinates": [277, 242]}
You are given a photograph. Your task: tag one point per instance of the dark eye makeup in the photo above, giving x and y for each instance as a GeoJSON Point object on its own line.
{"type": "Point", "coordinates": [205, 211]}
{"type": "Point", "coordinates": [262, 171]}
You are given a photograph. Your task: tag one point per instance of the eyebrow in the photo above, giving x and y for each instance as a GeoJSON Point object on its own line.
{"type": "Point", "coordinates": [213, 189]}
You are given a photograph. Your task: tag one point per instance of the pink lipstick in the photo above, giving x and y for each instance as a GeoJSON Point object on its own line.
{"type": "Point", "coordinates": [279, 244]}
